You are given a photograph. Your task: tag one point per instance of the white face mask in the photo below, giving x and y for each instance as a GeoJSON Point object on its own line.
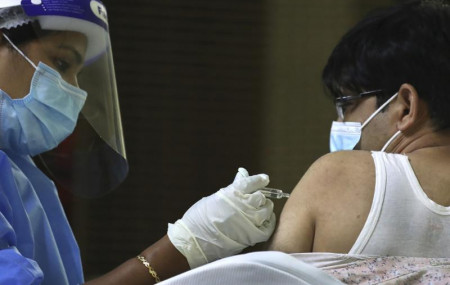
{"type": "Point", "coordinates": [346, 135]}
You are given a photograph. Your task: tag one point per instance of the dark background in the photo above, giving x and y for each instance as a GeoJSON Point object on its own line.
{"type": "Point", "coordinates": [205, 87]}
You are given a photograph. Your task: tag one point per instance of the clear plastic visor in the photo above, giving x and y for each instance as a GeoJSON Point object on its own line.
{"type": "Point", "coordinates": [92, 160]}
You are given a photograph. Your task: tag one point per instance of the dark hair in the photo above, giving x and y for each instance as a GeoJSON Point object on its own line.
{"type": "Point", "coordinates": [25, 33]}
{"type": "Point", "coordinates": [408, 43]}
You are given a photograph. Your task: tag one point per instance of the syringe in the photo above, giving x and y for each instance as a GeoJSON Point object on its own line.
{"type": "Point", "coordinates": [273, 193]}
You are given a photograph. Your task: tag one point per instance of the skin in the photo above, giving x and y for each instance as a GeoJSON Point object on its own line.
{"type": "Point", "coordinates": [64, 52]}
{"type": "Point", "coordinates": [329, 206]}
{"type": "Point", "coordinates": [164, 258]}
{"type": "Point", "coordinates": [317, 216]}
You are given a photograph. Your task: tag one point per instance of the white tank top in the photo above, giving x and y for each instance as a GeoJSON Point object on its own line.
{"type": "Point", "coordinates": [402, 221]}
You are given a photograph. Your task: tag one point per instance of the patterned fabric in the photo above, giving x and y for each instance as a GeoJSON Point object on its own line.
{"type": "Point", "coordinates": [394, 270]}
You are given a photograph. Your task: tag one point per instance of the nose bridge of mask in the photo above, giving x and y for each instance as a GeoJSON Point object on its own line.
{"type": "Point", "coordinates": [19, 51]}
{"type": "Point", "coordinates": [379, 110]}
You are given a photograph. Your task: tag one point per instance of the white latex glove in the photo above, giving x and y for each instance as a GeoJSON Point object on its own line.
{"type": "Point", "coordinates": [226, 222]}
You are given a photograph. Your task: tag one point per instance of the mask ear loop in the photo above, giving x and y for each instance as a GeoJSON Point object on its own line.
{"type": "Point", "coordinates": [19, 51]}
{"type": "Point", "coordinates": [390, 140]}
{"type": "Point", "coordinates": [379, 110]}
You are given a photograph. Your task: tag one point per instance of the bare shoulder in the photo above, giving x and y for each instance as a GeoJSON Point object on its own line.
{"type": "Point", "coordinates": [334, 174]}
{"type": "Point", "coordinates": [335, 193]}
{"type": "Point", "coordinates": [338, 167]}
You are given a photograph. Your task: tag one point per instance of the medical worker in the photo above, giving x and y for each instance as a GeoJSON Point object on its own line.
{"type": "Point", "coordinates": [59, 109]}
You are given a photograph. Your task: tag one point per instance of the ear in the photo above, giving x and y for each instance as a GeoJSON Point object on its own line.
{"type": "Point", "coordinates": [411, 110]}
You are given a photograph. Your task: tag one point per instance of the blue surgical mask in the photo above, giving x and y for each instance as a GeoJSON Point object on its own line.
{"type": "Point", "coordinates": [42, 119]}
{"type": "Point", "coordinates": [346, 135]}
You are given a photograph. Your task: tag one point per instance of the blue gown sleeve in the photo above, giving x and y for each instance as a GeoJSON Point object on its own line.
{"type": "Point", "coordinates": [17, 270]}
{"type": "Point", "coordinates": [14, 267]}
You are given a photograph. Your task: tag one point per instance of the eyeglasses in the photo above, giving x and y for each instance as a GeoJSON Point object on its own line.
{"type": "Point", "coordinates": [345, 101]}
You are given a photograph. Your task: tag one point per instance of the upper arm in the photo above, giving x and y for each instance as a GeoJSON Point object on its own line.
{"type": "Point", "coordinates": [295, 228]}
{"type": "Point", "coordinates": [317, 211]}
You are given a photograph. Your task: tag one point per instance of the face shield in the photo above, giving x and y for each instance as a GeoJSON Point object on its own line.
{"type": "Point", "coordinates": [91, 161]}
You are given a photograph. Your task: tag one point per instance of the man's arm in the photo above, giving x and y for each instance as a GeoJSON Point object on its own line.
{"type": "Point", "coordinates": [328, 207]}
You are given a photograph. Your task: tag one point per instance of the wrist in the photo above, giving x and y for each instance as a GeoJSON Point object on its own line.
{"type": "Point", "coordinates": [151, 271]}
{"type": "Point", "coordinates": [186, 243]}
{"type": "Point", "coordinates": [165, 259]}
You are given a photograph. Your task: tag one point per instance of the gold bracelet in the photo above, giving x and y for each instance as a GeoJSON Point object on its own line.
{"type": "Point", "coordinates": [150, 269]}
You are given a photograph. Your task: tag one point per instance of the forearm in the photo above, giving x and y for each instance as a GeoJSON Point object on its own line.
{"type": "Point", "coordinates": [217, 226]}
{"type": "Point", "coordinates": [163, 257]}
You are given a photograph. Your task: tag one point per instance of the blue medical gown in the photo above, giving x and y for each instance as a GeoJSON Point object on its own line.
{"type": "Point", "coordinates": [37, 245]}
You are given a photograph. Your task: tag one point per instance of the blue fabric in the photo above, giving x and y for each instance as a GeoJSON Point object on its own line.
{"type": "Point", "coordinates": [15, 269]}
{"type": "Point", "coordinates": [37, 245]}
{"type": "Point", "coordinates": [39, 121]}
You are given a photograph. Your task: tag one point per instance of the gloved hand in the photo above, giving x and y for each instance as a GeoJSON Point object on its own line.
{"type": "Point", "coordinates": [226, 222]}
